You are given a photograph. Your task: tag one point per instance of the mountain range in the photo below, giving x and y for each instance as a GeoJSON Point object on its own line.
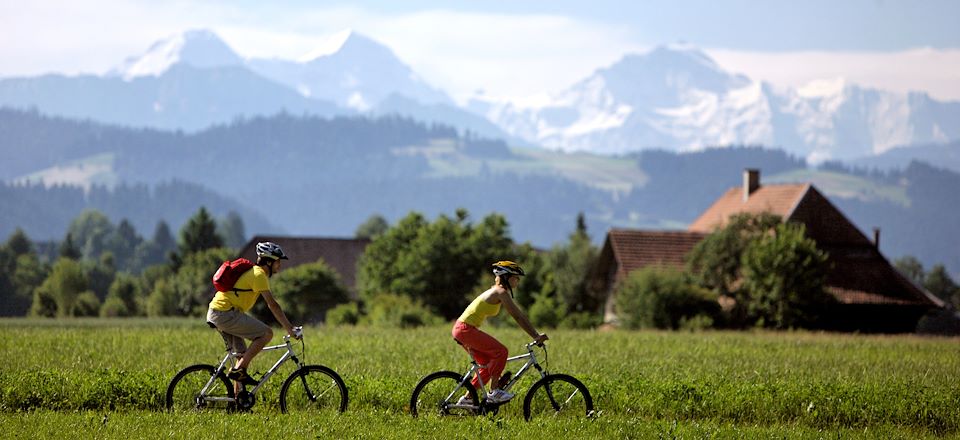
{"type": "Point", "coordinates": [673, 97]}
{"type": "Point", "coordinates": [677, 98]}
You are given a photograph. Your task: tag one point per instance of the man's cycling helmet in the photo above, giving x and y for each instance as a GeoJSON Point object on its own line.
{"type": "Point", "coordinates": [270, 250]}
{"type": "Point", "coordinates": [507, 268]}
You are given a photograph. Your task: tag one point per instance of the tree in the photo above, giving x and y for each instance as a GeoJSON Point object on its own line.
{"type": "Point", "coordinates": [939, 283]}
{"type": "Point", "coordinates": [90, 231]}
{"type": "Point", "coordinates": [28, 275]}
{"type": "Point", "coordinates": [154, 251]}
{"type": "Point", "coordinates": [232, 230]}
{"type": "Point", "coordinates": [69, 249]}
{"type": "Point", "coordinates": [100, 273]}
{"type": "Point", "coordinates": [192, 282]}
{"type": "Point", "coordinates": [123, 243]}
{"type": "Point", "coordinates": [569, 267]}
{"type": "Point", "coordinates": [438, 263]}
{"type": "Point", "coordinates": [122, 297]}
{"type": "Point", "coordinates": [373, 227]}
{"type": "Point", "coordinates": [64, 285]}
{"type": "Point", "coordinates": [715, 261]}
{"type": "Point", "coordinates": [783, 276]}
{"type": "Point", "coordinates": [19, 243]}
{"type": "Point", "coordinates": [198, 234]}
{"type": "Point", "coordinates": [911, 267]}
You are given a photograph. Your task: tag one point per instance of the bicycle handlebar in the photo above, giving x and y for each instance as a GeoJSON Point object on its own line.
{"type": "Point", "coordinates": [297, 331]}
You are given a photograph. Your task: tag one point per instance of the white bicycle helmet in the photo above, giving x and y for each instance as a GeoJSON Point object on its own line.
{"type": "Point", "coordinates": [270, 250]}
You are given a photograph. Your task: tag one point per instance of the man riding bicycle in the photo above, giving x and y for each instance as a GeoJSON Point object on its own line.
{"type": "Point", "coordinates": [227, 311]}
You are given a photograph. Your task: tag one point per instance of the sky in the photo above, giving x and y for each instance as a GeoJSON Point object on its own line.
{"type": "Point", "coordinates": [518, 48]}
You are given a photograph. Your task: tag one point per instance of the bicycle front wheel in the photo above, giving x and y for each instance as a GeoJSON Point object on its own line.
{"type": "Point", "coordinates": [438, 395]}
{"type": "Point", "coordinates": [558, 396]}
{"type": "Point", "coordinates": [313, 388]}
{"type": "Point", "coordinates": [186, 390]}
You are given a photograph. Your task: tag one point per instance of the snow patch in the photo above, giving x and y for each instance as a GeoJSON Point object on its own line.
{"type": "Point", "coordinates": [330, 46]}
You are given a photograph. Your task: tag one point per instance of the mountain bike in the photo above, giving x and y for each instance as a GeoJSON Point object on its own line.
{"type": "Point", "coordinates": [556, 395]}
{"type": "Point", "coordinates": [204, 387]}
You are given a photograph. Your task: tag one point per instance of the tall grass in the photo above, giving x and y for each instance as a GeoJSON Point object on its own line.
{"type": "Point", "coordinates": [803, 380]}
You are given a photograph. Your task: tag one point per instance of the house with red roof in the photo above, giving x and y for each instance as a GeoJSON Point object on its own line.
{"type": "Point", "coordinates": [871, 295]}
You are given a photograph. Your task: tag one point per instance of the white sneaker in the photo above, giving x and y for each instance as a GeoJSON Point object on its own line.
{"type": "Point", "coordinates": [499, 396]}
{"type": "Point", "coordinates": [465, 401]}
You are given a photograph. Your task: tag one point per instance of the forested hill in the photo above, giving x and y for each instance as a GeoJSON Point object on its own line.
{"type": "Point", "coordinates": [45, 213]}
{"type": "Point", "coordinates": [314, 176]}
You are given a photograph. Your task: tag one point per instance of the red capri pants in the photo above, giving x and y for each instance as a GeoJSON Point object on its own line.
{"type": "Point", "coordinates": [487, 351]}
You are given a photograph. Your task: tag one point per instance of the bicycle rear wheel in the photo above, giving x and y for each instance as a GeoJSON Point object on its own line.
{"type": "Point", "coordinates": [184, 391]}
{"type": "Point", "coordinates": [437, 394]}
{"type": "Point", "coordinates": [313, 388]}
{"type": "Point", "coordinates": [558, 396]}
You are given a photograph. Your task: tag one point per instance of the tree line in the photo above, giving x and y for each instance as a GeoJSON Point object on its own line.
{"type": "Point", "coordinates": [756, 271]}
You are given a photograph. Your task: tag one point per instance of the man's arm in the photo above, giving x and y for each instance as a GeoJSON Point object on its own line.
{"type": "Point", "coordinates": [278, 312]}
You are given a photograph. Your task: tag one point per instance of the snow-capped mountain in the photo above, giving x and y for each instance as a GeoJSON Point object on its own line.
{"type": "Point", "coordinates": [193, 79]}
{"type": "Point", "coordinates": [676, 97]}
{"type": "Point", "coordinates": [199, 48]}
{"type": "Point", "coordinates": [352, 70]}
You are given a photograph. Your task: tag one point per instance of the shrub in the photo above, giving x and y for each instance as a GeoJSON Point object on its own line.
{"type": "Point", "coordinates": [344, 314]}
{"type": "Point", "coordinates": [113, 307]}
{"type": "Point", "coordinates": [661, 298]}
{"type": "Point", "coordinates": [581, 320]}
{"type": "Point", "coordinates": [87, 304]}
{"type": "Point", "coordinates": [397, 311]}
{"type": "Point", "coordinates": [545, 312]}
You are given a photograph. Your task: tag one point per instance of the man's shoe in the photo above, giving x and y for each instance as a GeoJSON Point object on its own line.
{"type": "Point", "coordinates": [499, 396]}
{"type": "Point", "coordinates": [240, 375]}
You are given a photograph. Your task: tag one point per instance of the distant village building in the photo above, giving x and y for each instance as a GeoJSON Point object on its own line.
{"type": "Point", "coordinates": [872, 296]}
{"type": "Point", "coordinates": [341, 254]}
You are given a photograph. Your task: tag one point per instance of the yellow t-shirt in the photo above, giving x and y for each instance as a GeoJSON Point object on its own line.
{"type": "Point", "coordinates": [478, 311]}
{"type": "Point", "coordinates": [255, 279]}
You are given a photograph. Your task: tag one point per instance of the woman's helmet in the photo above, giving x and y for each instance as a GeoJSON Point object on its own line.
{"type": "Point", "coordinates": [507, 268]}
{"type": "Point", "coordinates": [270, 250]}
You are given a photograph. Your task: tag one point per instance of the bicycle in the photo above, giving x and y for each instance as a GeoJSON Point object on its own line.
{"type": "Point", "coordinates": [309, 388]}
{"type": "Point", "coordinates": [558, 395]}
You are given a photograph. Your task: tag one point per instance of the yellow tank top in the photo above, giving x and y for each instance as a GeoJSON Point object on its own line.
{"type": "Point", "coordinates": [479, 310]}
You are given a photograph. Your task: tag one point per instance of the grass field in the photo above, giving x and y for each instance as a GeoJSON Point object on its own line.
{"type": "Point", "coordinates": [106, 379]}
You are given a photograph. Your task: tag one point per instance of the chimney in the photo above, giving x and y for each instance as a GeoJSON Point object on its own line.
{"type": "Point", "coordinates": [876, 237]}
{"type": "Point", "coordinates": [751, 182]}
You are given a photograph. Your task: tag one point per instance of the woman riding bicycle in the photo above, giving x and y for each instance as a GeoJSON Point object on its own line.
{"type": "Point", "coordinates": [228, 311]}
{"type": "Point", "coordinates": [489, 353]}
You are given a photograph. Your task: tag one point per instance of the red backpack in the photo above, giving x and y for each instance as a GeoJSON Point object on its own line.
{"type": "Point", "coordinates": [228, 274]}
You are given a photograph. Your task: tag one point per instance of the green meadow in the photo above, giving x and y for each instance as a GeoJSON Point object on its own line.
{"type": "Point", "coordinates": [106, 379]}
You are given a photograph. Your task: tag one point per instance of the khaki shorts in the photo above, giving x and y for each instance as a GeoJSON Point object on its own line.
{"type": "Point", "coordinates": [235, 326]}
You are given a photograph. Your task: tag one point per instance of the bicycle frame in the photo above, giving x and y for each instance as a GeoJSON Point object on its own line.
{"type": "Point", "coordinates": [231, 356]}
{"type": "Point", "coordinates": [531, 361]}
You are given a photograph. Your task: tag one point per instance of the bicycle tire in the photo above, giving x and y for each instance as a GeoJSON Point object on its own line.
{"type": "Point", "coordinates": [183, 392]}
{"type": "Point", "coordinates": [437, 391]}
{"type": "Point", "coordinates": [313, 388]}
{"type": "Point", "coordinates": [558, 395]}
